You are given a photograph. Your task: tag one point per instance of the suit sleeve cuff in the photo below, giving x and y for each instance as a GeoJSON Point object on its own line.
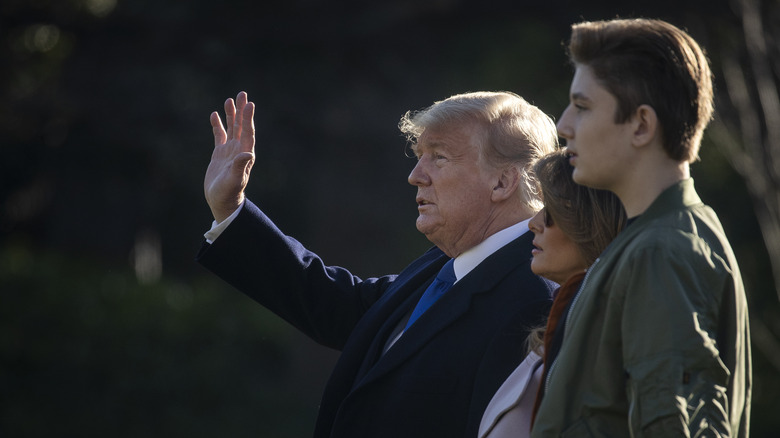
{"type": "Point", "coordinates": [218, 227]}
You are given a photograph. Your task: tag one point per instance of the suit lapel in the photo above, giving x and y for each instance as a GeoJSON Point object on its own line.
{"type": "Point", "coordinates": [389, 310]}
{"type": "Point", "coordinates": [449, 308]}
{"type": "Point", "coordinates": [382, 335]}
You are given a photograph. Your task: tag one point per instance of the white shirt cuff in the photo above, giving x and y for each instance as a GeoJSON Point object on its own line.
{"type": "Point", "coordinates": [218, 227]}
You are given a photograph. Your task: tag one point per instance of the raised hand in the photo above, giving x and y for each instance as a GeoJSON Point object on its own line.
{"type": "Point", "coordinates": [234, 154]}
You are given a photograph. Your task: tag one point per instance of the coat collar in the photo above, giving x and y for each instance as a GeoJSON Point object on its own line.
{"type": "Point", "coordinates": [680, 195]}
{"type": "Point", "coordinates": [511, 392]}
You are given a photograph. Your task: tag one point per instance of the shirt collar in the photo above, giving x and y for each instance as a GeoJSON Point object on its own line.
{"type": "Point", "coordinates": [470, 259]}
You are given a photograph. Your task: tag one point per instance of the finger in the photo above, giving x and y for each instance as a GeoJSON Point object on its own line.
{"type": "Point", "coordinates": [242, 163]}
{"type": "Point", "coordinates": [241, 100]}
{"type": "Point", "coordinates": [219, 131]}
{"type": "Point", "coordinates": [237, 124]}
{"type": "Point", "coordinates": [248, 128]}
{"type": "Point", "coordinates": [230, 115]}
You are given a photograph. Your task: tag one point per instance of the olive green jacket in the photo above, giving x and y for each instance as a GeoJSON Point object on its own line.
{"type": "Point", "coordinates": [657, 341]}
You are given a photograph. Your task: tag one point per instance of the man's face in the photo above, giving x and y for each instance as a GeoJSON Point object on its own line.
{"type": "Point", "coordinates": [454, 186]}
{"type": "Point", "coordinates": [600, 148]}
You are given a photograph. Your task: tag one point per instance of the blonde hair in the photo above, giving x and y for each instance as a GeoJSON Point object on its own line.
{"type": "Point", "coordinates": [514, 132]}
{"type": "Point", "coordinates": [535, 340]}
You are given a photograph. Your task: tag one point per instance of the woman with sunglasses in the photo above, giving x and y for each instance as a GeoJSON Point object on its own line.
{"type": "Point", "coordinates": [574, 227]}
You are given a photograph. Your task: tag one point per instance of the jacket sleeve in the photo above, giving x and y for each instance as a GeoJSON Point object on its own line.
{"type": "Point", "coordinates": [676, 381]}
{"type": "Point", "coordinates": [324, 302]}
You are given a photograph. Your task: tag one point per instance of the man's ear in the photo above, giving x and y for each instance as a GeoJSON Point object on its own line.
{"type": "Point", "coordinates": [507, 184]}
{"type": "Point", "coordinates": [646, 127]}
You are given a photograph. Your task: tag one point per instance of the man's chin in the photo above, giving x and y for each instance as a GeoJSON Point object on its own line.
{"type": "Point", "coordinates": [424, 227]}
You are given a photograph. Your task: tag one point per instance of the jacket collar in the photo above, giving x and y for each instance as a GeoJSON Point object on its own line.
{"type": "Point", "coordinates": [678, 196]}
{"type": "Point", "coordinates": [682, 195]}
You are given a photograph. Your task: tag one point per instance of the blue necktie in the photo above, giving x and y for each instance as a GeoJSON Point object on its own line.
{"type": "Point", "coordinates": [443, 281]}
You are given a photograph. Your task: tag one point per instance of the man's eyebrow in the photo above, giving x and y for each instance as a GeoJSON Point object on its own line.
{"type": "Point", "coordinates": [434, 144]}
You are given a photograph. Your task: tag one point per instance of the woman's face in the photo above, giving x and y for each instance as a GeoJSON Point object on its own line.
{"type": "Point", "coordinates": [555, 256]}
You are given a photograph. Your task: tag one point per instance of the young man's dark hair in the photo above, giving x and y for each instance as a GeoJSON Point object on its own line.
{"type": "Point", "coordinates": [651, 62]}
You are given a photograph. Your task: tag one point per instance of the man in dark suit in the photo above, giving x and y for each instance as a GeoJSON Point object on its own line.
{"type": "Point", "coordinates": [405, 371]}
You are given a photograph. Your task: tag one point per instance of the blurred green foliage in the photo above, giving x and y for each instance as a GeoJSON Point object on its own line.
{"type": "Point", "coordinates": [88, 351]}
{"type": "Point", "coordinates": [108, 326]}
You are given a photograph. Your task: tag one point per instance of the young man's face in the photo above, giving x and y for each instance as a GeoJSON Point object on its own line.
{"type": "Point", "coordinates": [600, 148]}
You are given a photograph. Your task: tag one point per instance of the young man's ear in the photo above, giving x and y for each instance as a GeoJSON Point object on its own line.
{"type": "Point", "coordinates": [507, 183]}
{"type": "Point", "coordinates": [646, 128]}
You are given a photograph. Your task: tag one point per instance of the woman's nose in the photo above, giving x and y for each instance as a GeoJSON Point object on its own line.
{"type": "Point", "coordinates": [536, 224]}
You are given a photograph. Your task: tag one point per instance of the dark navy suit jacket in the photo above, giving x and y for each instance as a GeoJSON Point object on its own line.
{"type": "Point", "coordinates": [439, 376]}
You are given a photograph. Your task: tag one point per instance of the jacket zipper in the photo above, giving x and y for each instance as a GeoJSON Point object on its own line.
{"type": "Point", "coordinates": [568, 317]}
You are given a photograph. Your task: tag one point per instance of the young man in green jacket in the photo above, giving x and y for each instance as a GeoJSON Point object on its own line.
{"type": "Point", "coordinates": [656, 342]}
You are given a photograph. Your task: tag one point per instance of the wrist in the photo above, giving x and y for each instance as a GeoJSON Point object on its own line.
{"type": "Point", "coordinates": [225, 210]}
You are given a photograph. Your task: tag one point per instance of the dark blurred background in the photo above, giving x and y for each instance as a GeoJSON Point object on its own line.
{"type": "Point", "coordinates": [107, 325]}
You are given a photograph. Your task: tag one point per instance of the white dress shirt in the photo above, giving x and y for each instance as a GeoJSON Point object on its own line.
{"type": "Point", "coordinates": [469, 260]}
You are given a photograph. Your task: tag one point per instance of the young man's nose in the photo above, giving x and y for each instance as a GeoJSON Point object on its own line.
{"type": "Point", "coordinates": [563, 126]}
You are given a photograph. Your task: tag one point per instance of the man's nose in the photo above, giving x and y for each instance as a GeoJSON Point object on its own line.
{"type": "Point", "coordinates": [418, 176]}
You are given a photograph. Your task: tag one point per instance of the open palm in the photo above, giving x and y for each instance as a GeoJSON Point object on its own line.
{"type": "Point", "coordinates": [234, 154]}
